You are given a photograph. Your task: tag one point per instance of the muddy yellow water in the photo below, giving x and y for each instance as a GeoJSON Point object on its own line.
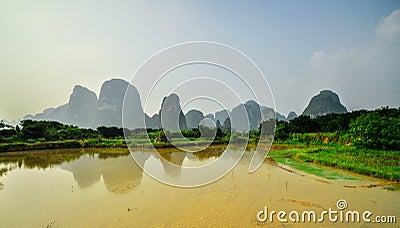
{"type": "Point", "coordinates": [70, 188]}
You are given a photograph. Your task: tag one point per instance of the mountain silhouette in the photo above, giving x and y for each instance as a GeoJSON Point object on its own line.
{"type": "Point", "coordinates": [171, 115]}
{"type": "Point", "coordinates": [222, 115]}
{"type": "Point", "coordinates": [248, 116]}
{"type": "Point", "coordinates": [324, 103]}
{"type": "Point", "coordinates": [291, 115]}
{"type": "Point", "coordinates": [85, 110]}
{"type": "Point", "coordinates": [82, 107]}
{"type": "Point", "coordinates": [109, 109]}
{"type": "Point", "coordinates": [193, 118]}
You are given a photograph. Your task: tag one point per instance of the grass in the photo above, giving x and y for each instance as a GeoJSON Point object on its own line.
{"type": "Point", "coordinates": [102, 143]}
{"type": "Point", "coordinates": [87, 143]}
{"type": "Point", "coordinates": [99, 143]}
{"type": "Point", "coordinates": [321, 138]}
{"type": "Point", "coordinates": [286, 157]}
{"type": "Point", "coordinates": [18, 146]}
{"type": "Point", "coordinates": [390, 188]}
{"type": "Point", "coordinates": [376, 163]}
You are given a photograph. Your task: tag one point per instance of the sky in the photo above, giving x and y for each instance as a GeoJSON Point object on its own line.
{"type": "Point", "coordinates": [302, 47]}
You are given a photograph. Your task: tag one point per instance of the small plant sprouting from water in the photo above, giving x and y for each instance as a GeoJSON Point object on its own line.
{"type": "Point", "coordinates": [51, 224]}
{"type": "Point", "coordinates": [390, 187]}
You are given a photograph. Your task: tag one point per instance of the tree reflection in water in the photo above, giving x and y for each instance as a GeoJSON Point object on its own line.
{"type": "Point", "coordinates": [118, 170]}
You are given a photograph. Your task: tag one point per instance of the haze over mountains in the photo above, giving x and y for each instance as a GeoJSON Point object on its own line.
{"type": "Point", "coordinates": [84, 109]}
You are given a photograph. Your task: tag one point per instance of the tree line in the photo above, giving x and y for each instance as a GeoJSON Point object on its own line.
{"type": "Point", "coordinates": [43, 130]}
{"type": "Point", "coordinates": [373, 129]}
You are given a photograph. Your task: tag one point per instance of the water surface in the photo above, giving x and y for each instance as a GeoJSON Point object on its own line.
{"type": "Point", "coordinates": [77, 187]}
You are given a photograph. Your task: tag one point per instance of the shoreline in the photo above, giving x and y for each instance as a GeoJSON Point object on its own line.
{"type": "Point", "coordinates": [301, 156]}
{"type": "Point", "coordinates": [93, 143]}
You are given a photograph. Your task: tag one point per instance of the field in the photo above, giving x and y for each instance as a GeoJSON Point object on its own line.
{"type": "Point", "coordinates": [376, 163]}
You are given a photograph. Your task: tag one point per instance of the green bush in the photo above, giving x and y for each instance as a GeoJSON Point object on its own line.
{"type": "Point", "coordinates": [377, 130]}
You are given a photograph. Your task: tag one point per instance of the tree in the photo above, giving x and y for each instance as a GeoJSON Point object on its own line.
{"type": "Point", "coordinates": [110, 132]}
{"type": "Point", "coordinates": [282, 131]}
{"type": "Point", "coordinates": [32, 129]}
{"type": "Point", "coordinates": [226, 128]}
{"type": "Point", "coordinates": [218, 124]}
{"type": "Point", "coordinates": [4, 125]}
{"type": "Point", "coordinates": [6, 133]}
{"type": "Point", "coordinates": [377, 130]}
{"type": "Point", "coordinates": [219, 133]}
{"type": "Point", "coordinates": [304, 124]}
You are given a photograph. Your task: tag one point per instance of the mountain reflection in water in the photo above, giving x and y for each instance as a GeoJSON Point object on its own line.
{"type": "Point", "coordinates": [119, 171]}
{"type": "Point", "coordinates": [105, 187]}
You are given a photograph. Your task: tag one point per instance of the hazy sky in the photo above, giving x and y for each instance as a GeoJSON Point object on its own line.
{"type": "Point", "coordinates": [351, 47]}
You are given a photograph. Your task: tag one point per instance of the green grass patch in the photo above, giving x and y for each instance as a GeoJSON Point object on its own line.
{"type": "Point", "coordinates": [390, 188]}
{"type": "Point", "coordinates": [287, 157]}
{"type": "Point", "coordinates": [21, 146]}
{"type": "Point", "coordinates": [377, 163]}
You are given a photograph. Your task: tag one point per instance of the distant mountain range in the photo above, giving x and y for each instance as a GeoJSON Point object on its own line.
{"type": "Point", "coordinates": [84, 109]}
